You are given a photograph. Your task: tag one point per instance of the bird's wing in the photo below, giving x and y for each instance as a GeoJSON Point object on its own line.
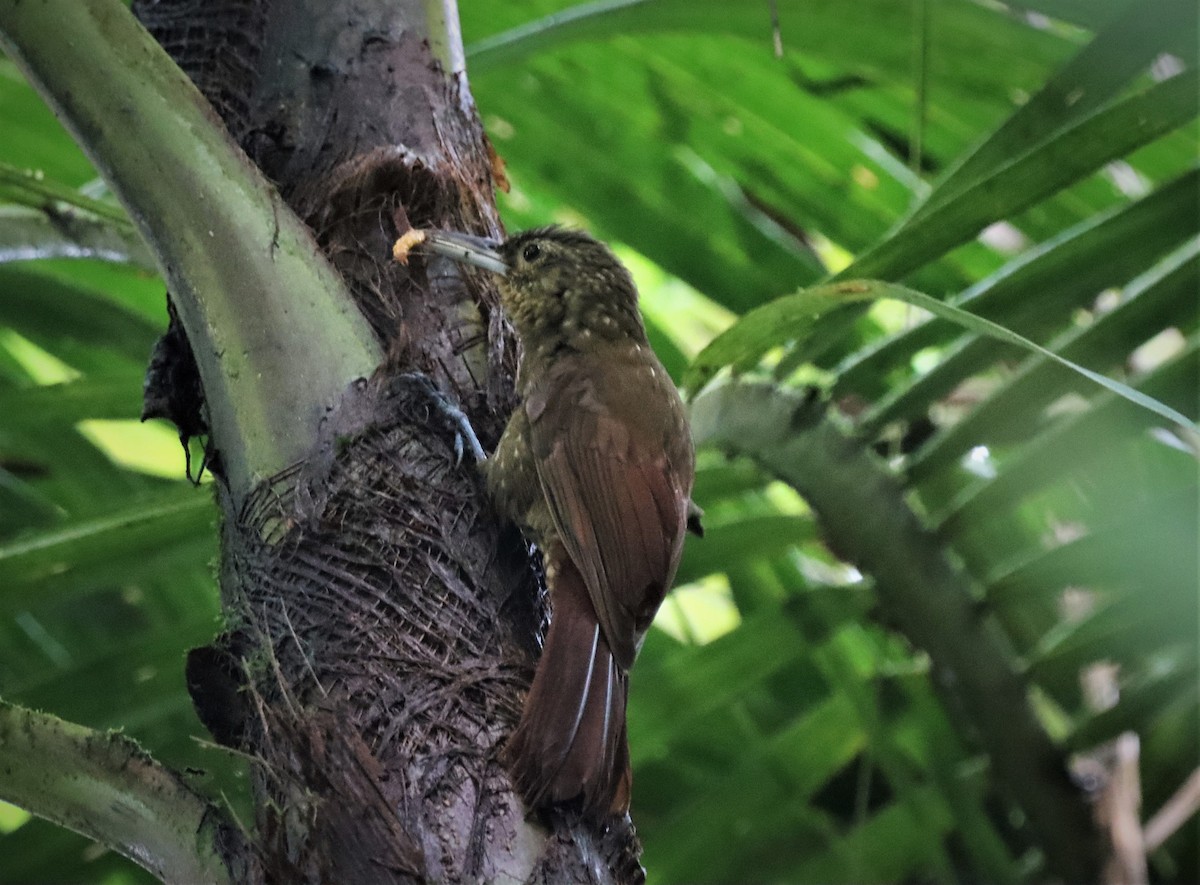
{"type": "Point", "coordinates": [617, 480]}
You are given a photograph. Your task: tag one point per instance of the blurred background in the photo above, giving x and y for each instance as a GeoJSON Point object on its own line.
{"type": "Point", "coordinates": [1035, 163]}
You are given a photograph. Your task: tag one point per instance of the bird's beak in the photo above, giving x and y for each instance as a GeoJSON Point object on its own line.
{"type": "Point", "coordinates": [478, 251]}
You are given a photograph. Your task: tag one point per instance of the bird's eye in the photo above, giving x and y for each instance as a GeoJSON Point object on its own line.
{"type": "Point", "coordinates": [531, 252]}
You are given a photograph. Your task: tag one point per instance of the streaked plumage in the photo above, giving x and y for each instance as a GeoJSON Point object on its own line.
{"type": "Point", "coordinates": [596, 464]}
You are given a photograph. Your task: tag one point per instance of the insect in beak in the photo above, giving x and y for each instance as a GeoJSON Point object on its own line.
{"type": "Point", "coordinates": [478, 251]}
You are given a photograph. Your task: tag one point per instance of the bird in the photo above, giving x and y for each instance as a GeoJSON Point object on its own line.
{"type": "Point", "coordinates": [596, 466]}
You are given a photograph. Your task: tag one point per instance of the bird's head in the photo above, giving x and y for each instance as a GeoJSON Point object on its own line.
{"type": "Point", "coordinates": [555, 284]}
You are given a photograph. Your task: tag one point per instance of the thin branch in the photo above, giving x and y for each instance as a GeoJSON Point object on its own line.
{"type": "Point", "coordinates": [1175, 812]}
{"type": "Point", "coordinates": [922, 592]}
{"type": "Point", "coordinates": [275, 333]}
{"type": "Point", "coordinates": [106, 787]}
{"type": "Point", "coordinates": [1117, 812]}
{"type": "Point", "coordinates": [32, 189]}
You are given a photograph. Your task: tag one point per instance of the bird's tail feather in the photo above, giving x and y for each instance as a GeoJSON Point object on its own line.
{"type": "Point", "coordinates": [571, 742]}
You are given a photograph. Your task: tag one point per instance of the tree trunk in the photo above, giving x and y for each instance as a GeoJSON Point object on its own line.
{"type": "Point", "coordinates": [381, 626]}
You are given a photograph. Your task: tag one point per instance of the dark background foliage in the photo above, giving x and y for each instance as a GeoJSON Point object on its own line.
{"type": "Point", "coordinates": [1034, 163]}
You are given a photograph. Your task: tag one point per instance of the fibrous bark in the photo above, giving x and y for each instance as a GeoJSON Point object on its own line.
{"type": "Point", "coordinates": [381, 625]}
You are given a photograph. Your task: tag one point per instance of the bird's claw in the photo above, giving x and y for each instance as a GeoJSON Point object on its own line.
{"type": "Point", "coordinates": [464, 433]}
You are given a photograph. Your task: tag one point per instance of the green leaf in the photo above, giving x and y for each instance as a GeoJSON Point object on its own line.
{"type": "Point", "coordinates": [38, 141]}
{"type": "Point", "coordinates": [790, 318]}
{"type": "Point", "coordinates": [1164, 297]}
{"type": "Point", "coordinates": [83, 327]}
{"type": "Point", "coordinates": [1070, 445]}
{"type": "Point", "coordinates": [709, 205]}
{"type": "Point", "coordinates": [1025, 177]}
{"type": "Point", "coordinates": [742, 541]}
{"type": "Point", "coordinates": [32, 189]}
{"type": "Point", "coordinates": [1145, 540]}
{"type": "Point", "coordinates": [1142, 703]}
{"type": "Point", "coordinates": [27, 235]}
{"type": "Point", "coordinates": [717, 479]}
{"type": "Point", "coordinates": [860, 38]}
{"type": "Point", "coordinates": [781, 772]}
{"type": "Point", "coordinates": [892, 844]}
{"type": "Point", "coordinates": [95, 397]}
{"type": "Point", "coordinates": [673, 206]}
{"type": "Point", "coordinates": [1088, 13]}
{"type": "Point", "coordinates": [1115, 632]}
{"type": "Point", "coordinates": [144, 526]}
{"type": "Point", "coordinates": [779, 322]}
{"type": "Point", "coordinates": [1024, 163]}
{"type": "Point", "coordinates": [701, 679]}
{"type": "Point", "coordinates": [1033, 295]}
{"type": "Point", "coordinates": [1121, 52]}
{"type": "Point", "coordinates": [609, 18]}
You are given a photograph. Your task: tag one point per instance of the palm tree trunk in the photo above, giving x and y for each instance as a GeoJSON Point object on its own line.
{"type": "Point", "coordinates": [381, 625]}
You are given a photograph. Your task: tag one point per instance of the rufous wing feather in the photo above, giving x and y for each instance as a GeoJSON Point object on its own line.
{"type": "Point", "coordinates": [619, 500]}
{"type": "Point", "coordinates": [616, 478]}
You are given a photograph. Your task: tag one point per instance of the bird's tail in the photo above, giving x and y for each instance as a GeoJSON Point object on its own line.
{"type": "Point", "coordinates": [570, 742]}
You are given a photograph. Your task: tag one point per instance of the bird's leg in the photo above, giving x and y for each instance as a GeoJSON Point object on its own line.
{"type": "Point", "coordinates": [464, 433]}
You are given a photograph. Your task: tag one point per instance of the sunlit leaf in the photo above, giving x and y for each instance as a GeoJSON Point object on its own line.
{"type": "Point", "coordinates": [790, 318]}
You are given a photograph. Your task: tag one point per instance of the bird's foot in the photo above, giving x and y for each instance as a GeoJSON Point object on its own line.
{"type": "Point", "coordinates": [464, 433]}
